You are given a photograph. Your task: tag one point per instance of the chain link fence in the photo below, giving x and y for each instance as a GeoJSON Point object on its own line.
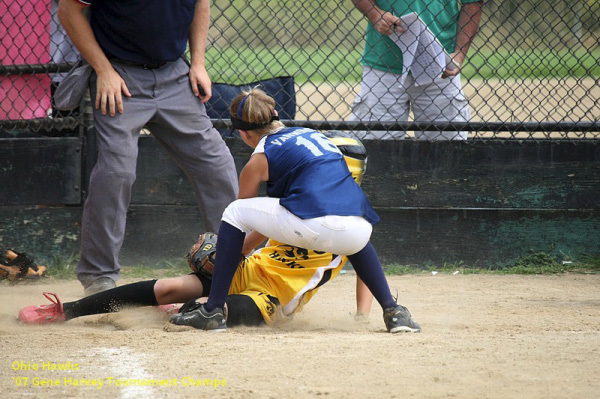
{"type": "Point", "coordinates": [532, 70]}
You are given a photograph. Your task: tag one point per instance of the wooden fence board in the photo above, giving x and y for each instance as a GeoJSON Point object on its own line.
{"type": "Point", "coordinates": [510, 174]}
{"type": "Point", "coordinates": [40, 171]}
{"type": "Point", "coordinates": [513, 175]}
{"type": "Point", "coordinates": [486, 238]}
{"type": "Point", "coordinates": [477, 204]}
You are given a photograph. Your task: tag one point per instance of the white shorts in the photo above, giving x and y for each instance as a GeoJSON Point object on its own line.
{"type": "Point", "coordinates": [341, 235]}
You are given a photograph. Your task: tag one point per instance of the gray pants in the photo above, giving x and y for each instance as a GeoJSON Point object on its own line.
{"type": "Point", "coordinates": [384, 97]}
{"type": "Point", "coordinates": [163, 101]}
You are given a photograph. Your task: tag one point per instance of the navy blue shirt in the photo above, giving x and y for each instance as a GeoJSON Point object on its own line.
{"type": "Point", "coordinates": [310, 176]}
{"type": "Point", "coordinates": [144, 31]}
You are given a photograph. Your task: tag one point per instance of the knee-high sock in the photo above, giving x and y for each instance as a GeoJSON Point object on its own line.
{"type": "Point", "coordinates": [368, 267]}
{"type": "Point", "coordinates": [113, 300]}
{"type": "Point", "coordinates": [229, 253]}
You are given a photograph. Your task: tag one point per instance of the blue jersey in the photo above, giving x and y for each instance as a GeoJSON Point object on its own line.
{"type": "Point", "coordinates": [310, 176]}
{"type": "Point", "coordinates": [144, 31]}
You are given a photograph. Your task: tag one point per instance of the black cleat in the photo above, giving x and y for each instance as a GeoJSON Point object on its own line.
{"type": "Point", "coordinates": [398, 320]}
{"type": "Point", "coordinates": [200, 318]}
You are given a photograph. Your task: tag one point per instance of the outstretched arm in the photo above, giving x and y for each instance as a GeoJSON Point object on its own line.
{"type": "Point", "coordinates": [254, 173]}
{"type": "Point", "coordinates": [252, 240]}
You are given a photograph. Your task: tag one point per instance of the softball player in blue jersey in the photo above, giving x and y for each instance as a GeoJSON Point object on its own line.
{"type": "Point", "coordinates": [269, 286]}
{"type": "Point", "coordinates": [313, 202]}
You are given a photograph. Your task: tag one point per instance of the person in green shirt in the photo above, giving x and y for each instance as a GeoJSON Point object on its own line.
{"type": "Point", "coordinates": [388, 95]}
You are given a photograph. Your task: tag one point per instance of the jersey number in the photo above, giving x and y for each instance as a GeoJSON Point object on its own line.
{"type": "Point", "coordinates": [318, 143]}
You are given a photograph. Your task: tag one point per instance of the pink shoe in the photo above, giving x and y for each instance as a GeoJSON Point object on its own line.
{"type": "Point", "coordinates": [45, 313]}
{"type": "Point", "coordinates": [171, 308]}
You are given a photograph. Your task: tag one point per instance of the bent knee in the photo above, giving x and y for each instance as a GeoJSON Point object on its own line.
{"type": "Point", "coordinates": [164, 289]}
{"type": "Point", "coordinates": [232, 214]}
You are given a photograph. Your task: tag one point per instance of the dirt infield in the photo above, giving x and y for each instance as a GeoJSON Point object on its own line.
{"type": "Point", "coordinates": [484, 337]}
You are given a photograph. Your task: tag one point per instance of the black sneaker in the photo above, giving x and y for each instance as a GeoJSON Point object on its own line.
{"type": "Point", "coordinates": [398, 320]}
{"type": "Point", "coordinates": [201, 319]}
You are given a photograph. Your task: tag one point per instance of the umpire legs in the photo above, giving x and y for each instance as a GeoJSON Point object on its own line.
{"type": "Point", "coordinates": [105, 209]}
{"type": "Point", "coordinates": [163, 100]}
{"type": "Point", "coordinates": [183, 128]}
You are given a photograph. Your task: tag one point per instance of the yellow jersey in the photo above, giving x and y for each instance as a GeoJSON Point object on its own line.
{"type": "Point", "coordinates": [281, 278]}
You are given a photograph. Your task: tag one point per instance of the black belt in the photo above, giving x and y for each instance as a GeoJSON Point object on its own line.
{"type": "Point", "coordinates": [150, 65]}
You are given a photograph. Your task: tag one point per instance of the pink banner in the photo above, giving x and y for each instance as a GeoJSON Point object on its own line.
{"type": "Point", "coordinates": [24, 39]}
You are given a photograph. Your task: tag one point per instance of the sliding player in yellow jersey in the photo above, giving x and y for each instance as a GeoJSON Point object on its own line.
{"type": "Point", "coordinates": [274, 281]}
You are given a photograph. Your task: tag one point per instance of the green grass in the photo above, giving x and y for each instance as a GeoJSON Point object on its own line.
{"type": "Point", "coordinates": [326, 65]}
{"type": "Point", "coordinates": [245, 65]}
{"type": "Point", "coordinates": [529, 64]}
{"type": "Point", "coordinates": [62, 269]}
{"type": "Point", "coordinates": [534, 262]}
{"type": "Point", "coordinates": [66, 269]}
{"type": "Point", "coordinates": [170, 269]}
